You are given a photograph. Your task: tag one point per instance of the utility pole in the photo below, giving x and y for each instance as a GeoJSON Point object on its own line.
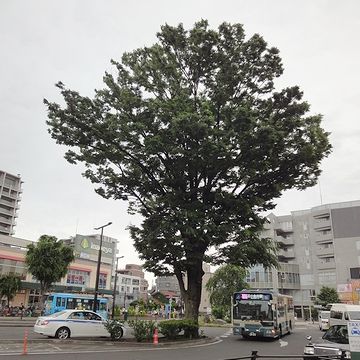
{"type": "Point", "coordinates": [115, 281]}
{"type": "Point", "coordinates": [98, 266]}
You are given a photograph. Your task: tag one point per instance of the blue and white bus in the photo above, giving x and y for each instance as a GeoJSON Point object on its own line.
{"type": "Point", "coordinates": [262, 313]}
{"type": "Point", "coordinates": [61, 301]}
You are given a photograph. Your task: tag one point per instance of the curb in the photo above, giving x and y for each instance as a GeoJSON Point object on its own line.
{"type": "Point", "coordinates": [121, 343]}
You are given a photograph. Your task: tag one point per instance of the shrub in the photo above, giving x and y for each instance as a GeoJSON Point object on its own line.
{"type": "Point", "coordinates": [190, 328]}
{"type": "Point", "coordinates": [115, 329]}
{"type": "Point", "coordinates": [172, 328]}
{"type": "Point", "coordinates": [142, 329]}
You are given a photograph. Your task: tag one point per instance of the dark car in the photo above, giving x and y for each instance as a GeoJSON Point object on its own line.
{"type": "Point", "coordinates": [334, 345]}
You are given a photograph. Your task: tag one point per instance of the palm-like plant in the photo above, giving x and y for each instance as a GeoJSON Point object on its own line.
{"type": "Point", "coordinates": [10, 284]}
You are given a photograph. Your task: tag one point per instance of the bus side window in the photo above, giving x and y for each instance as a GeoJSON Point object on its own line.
{"type": "Point", "coordinates": [346, 316]}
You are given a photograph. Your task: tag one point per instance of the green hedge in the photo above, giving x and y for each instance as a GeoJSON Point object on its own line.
{"type": "Point", "coordinates": [142, 329]}
{"type": "Point", "coordinates": [172, 328]}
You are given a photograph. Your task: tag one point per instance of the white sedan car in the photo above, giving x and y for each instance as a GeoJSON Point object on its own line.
{"type": "Point", "coordinates": [74, 323]}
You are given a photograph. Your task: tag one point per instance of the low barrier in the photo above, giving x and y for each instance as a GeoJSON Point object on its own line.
{"type": "Point", "coordinates": [255, 355]}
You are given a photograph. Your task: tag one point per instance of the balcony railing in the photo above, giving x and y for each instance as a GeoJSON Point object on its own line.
{"type": "Point", "coordinates": [326, 265]}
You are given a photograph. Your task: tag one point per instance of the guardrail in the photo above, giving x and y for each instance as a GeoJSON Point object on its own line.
{"type": "Point", "coordinates": [255, 355]}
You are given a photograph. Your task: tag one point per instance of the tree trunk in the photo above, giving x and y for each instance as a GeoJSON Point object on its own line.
{"type": "Point", "coordinates": [193, 294]}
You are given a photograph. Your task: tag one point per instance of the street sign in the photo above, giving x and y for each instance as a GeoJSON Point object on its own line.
{"type": "Point", "coordinates": [354, 338]}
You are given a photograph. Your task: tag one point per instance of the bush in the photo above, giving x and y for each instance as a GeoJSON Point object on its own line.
{"type": "Point", "coordinates": [115, 329]}
{"type": "Point", "coordinates": [172, 328]}
{"type": "Point", "coordinates": [142, 329]}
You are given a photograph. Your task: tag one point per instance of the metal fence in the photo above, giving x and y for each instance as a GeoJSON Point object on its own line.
{"type": "Point", "coordinates": [255, 355]}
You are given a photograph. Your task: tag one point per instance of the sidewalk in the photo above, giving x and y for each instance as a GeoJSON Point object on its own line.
{"type": "Point", "coordinates": [16, 321]}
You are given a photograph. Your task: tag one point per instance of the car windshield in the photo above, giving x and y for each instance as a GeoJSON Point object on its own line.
{"type": "Point", "coordinates": [337, 334]}
{"type": "Point", "coordinates": [354, 315]}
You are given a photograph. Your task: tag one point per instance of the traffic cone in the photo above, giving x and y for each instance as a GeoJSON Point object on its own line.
{"type": "Point", "coordinates": [155, 337]}
{"type": "Point", "coordinates": [25, 342]}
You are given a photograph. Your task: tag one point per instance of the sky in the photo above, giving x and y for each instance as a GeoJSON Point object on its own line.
{"type": "Point", "coordinates": [43, 42]}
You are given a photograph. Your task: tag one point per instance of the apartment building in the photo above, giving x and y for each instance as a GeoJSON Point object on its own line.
{"type": "Point", "coordinates": [170, 284]}
{"type": "Point", "coordinates": [317, 247]}
{"type": "Point", "coordinates": [10, 191]}
{"type": "Point", "coordinates": [131, 285]}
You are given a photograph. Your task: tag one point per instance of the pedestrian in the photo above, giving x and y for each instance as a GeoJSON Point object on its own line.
{"type": "Point", "coordinates": [21, 310]}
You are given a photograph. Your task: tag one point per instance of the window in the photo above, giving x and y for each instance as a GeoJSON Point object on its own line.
{"type": "Point", "coordinates": [17, 267]}
{"type": "Point", "coordinates": [355, 273]}
{"type": "Point", "coordinates": [102, 281]}
{"type": "Point", "coordinates": [78, 277]}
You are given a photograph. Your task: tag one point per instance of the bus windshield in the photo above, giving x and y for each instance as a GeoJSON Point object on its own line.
{"type": "Point", "coordinates": [254, 310]}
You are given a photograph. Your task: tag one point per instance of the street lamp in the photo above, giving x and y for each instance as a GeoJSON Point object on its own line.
{"type": "Point", "coordinates": [98, 265]}
{"type": "Point", "coordinates": [115, 281]}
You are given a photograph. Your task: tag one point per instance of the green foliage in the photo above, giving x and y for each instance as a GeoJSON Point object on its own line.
{"type": "Point", "coordinates": [115, 329]}
{"type": "Point", "coordinates": [117, 311]}
{"type": "Point", "coordinates": [219, 312]}
{"type": "Point", "coordinates": [191, 132]}
{"type": "Point", "coordinates": [160, 297]}
{"type": "Point", "coordinates": [327, 295]}
{"type": "Point", "coordinates": [142, 329]}
{"type": "Point", "coordinates": [48, 260]}
{"type": "Point", "coordinates": [226, 280]}
{"type": "Point", "coordinates": [10, 284]}
{"type": "Point", "coordinates": [172, 328]}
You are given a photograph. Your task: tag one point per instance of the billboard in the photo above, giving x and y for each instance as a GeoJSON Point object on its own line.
{"type": "Point", "coordinates": [87, 247]}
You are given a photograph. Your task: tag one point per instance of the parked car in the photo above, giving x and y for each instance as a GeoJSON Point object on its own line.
{"type": "Point", "coordinates": [73, 323]}
{"type": "Point", "coordinates": [335, 342]}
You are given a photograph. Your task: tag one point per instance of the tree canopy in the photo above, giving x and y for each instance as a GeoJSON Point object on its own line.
{"type": "Point", "coordinates": [191, 132]}
{"type": "Point", "coordinates": [327, 295]}
{"type": "Point", "coordinates": [48, 260]}
{"type": "Point", "coordinates": [226, 280]}
{"type": "Point", "coordinates": [10, 284]}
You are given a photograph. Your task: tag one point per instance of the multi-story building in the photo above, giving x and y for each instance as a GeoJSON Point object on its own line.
{"type": "Point", "coordinates": [10, 190]}
{"type": "Point", "coordinates": [131, 285]}
{"type": "Point", "coordinates": [317, 247]}
{"type": "Point", "coordinates": [170, 284]}
{"type": "Point", "coordinates": [165, 284]}
{"type": "Point", "coordinates": [86, 247]}
{"type": "Point", "coordinates": [81, 275]}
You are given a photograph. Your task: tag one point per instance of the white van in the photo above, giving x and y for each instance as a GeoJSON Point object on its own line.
{"type": "Point", "coordinates": [340, 314]}
{"type": "Point", "coordinates": [324, 316]}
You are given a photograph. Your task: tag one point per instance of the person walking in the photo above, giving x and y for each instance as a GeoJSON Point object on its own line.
{"type": "Point", "coordinates": [21, 310]}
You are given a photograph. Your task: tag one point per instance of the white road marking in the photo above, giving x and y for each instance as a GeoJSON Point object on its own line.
{"type": "Point", "coordinates": [283, 343]}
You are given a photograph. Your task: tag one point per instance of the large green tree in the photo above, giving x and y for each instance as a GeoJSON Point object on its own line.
{"type": "Point", "coordinates": [327, 295]}
{"type": "Point", "coordinates": [10, 284]}
{"type": "Point", "coordinates": [226, 280]}
{"type": "Point", "coordinates": [48, 260]}
{"type": "Point", "coordinates": [193, 134]}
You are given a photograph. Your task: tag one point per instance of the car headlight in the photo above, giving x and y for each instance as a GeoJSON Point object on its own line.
{"type": "Point", "coordinates": [309, 350]}
{"type": "Point", "coordinates": [347, 354]}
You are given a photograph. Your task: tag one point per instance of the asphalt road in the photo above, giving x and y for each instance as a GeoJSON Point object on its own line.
{"type": "Point", "coordinates": [223, 346]}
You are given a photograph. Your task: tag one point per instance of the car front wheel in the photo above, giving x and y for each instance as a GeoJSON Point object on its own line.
{"type": "Point", "coordinates": [63, 333]}
{"type": "Point", "coordinates": [119, 334]}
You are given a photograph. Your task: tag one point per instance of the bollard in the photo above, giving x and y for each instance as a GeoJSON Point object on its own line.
{"type": "Point", "coordinates": [25, 342]}
{"type": "Point", "coordinates": [156, 337]}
